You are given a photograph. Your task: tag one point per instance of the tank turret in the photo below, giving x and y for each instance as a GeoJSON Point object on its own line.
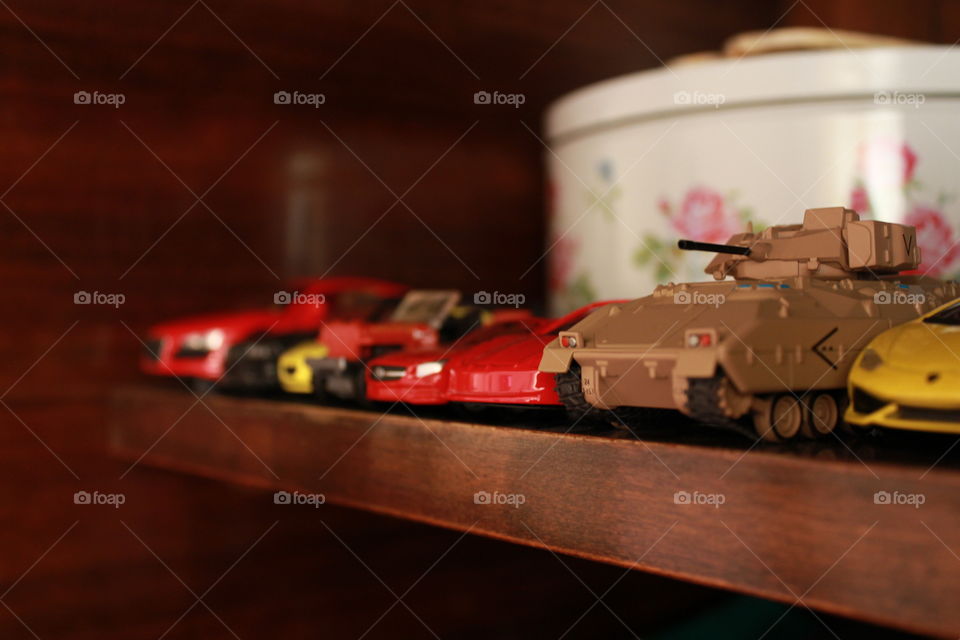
{"type": "Point", "coordinates": [833, 243]}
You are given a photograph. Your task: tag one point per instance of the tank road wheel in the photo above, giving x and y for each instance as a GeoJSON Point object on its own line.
{"type": "Point", "coordinates": [778, 418]}
{"type": "Point", "coordinates": [822, 415]}
{"type": "Point", "coordinates": [570, 391]}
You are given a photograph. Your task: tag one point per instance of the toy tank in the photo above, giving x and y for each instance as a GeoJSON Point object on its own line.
{"type": "Point", "coordinates": [768, 344]}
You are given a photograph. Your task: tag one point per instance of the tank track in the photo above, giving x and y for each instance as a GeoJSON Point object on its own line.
{"type": "Point", "coordinates": [571, 394]}
{"type": "Point", "coordinates": [703, 405]}
{"type": "Point", "coordinates": [632, 420]}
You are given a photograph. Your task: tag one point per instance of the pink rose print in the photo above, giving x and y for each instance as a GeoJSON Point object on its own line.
{"type": "Point", "coordinates": [935, 237]}
{"type": "Point", "coordinates": [561, 262]}
{"type": "Point", "coordinates": [704, 216]}
{"type": "Point", "coordinates": [859, 200]}
{"type": "Point", "coordinates": [909, 162]}
{"type": "Point", "coordinates": [663, 206]}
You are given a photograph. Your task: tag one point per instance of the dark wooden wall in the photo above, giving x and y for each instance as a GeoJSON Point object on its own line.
{"type": "Point", "coordinates": [92, 188]}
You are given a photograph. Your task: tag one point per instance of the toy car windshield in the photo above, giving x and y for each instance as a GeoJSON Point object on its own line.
{"type": "Point", "coordinates": [950, 315]}
{"type": "Point", "coordinates": [425, 307]}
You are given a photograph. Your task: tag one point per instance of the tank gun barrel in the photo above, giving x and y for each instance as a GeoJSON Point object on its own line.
{"type": "Point", "coordinates": [693, 245]}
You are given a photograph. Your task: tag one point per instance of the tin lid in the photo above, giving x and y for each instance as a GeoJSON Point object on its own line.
{"type": "Point", "coordinates": [882, 75]}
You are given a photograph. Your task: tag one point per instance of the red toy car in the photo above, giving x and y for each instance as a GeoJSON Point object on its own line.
{"type": "Point", "coordinates": [423, 320]}
{"type": "Point", "coordinates": [196, 348]}
{"type": "Point", "coordinates": [495, 365]}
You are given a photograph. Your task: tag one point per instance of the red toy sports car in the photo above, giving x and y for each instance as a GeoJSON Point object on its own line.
{"type": "Point", "coordinates": [494, 365]}
{"type": "Point", "coordinates": [424, 320]}
{"type": "Point", "coordinates": [196, 348]}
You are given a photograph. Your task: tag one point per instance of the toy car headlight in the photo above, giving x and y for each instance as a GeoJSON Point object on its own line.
{"type": "Point", "coordinates": [387, 372]}
{"type": "Point", "coordinates": [207, 341]}
{"type": "Point", "coordinates": [570, 339]}
{"type": "Point", "coordinates": [429, 368]}
{"type": "Point", "coordinates": [701, 338]}
{"type": "Point", "coordinates": [870, 360]}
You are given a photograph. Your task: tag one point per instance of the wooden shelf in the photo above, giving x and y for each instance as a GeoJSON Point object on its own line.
{"type": "Point", "coordinates": [798, 523]}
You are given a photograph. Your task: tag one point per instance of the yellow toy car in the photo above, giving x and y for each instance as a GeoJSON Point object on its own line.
{"type": "Point", "coordinates": [294, 373]}
{"type": "Point", "coordinates": [908, 377]}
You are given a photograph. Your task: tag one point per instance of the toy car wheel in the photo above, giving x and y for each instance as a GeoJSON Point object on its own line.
{"type": "Point", "coordinates": [822, 415]}
{"type": "Point", "coordinates": [778, 418]}
{"type": "Point", "coordinates": [320, 393]}
{"type": "Point", "coordinates": [201, 386]}
{"type": "Point", "coordinates": [360, 388]}
{"type": "Point", "coordinates": [852, 429]}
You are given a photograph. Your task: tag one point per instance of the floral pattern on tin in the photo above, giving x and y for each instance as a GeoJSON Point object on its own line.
{"type": "Point", "coordinates": [603, 193]}
{"type": "Point", "coordinates": [703, 214]}
{"type": "Point", "coordinates": [885, 163]}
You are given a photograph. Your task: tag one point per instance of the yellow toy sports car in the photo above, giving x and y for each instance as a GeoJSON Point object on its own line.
{"type": "Point", "coordinates": [294, 373]}
{"type": "Point", "coordinates": [908, 377]}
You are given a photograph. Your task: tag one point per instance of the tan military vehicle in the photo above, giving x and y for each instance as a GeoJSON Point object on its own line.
{"type": "Point", "coordinates": [770, 347]}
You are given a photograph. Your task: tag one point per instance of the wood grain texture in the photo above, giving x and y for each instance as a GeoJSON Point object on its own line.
{"type": "Point", "coordinates": [791, 526]}
{"type": "Point", "coordinates": [199, 98]}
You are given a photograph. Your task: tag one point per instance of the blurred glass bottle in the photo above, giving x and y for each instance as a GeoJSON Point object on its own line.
{"type": "Point", "coordinates": [307, 240]}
